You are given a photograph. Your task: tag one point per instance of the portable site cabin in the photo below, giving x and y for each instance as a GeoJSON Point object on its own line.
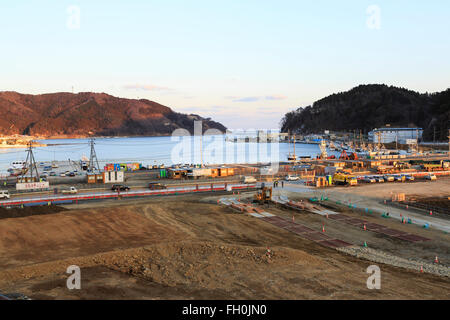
{"type": "Point", "coordinates": [177, 173]}
{"type": "Point", "coordinates": [225, 172]}
{"type": "Point", "coordinates": [96, 178]}
{"type": "Point", "coordinates": [113, 176]}
{"type": "Point", "coordinates": [222, 172]}
{"type": "Point", "coordinates": [196, 173]}
{"type": "Point", "coordinates": [123, 167]}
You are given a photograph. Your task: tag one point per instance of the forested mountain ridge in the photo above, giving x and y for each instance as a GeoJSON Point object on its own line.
{"type": "Point", "coordinates": [370, 106]}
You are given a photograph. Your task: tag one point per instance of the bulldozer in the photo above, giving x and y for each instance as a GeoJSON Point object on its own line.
{"type": "Point", "coordinates": [263, 195]}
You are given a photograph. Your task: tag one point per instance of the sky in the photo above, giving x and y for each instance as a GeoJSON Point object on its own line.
{"type": "Point", "coordinates": [244, 63]}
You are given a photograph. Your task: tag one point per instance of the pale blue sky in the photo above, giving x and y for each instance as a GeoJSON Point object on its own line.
{"type": "Point", "coordinates": [241, 62]}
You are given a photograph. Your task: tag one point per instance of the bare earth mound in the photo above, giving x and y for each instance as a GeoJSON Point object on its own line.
{"type": "Point", "coordinates": [184, 249]}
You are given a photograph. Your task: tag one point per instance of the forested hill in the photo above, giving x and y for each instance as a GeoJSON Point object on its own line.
{"type": "Point", "coordinates": [369, 106]}
{"type": "Point", "coordinates": [88, 113]}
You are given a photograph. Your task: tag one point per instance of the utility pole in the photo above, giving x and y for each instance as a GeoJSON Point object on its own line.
{"type": "Point", "coordinates": [93, 158]}
{"type": "Point", "coordinates": [30, 164]}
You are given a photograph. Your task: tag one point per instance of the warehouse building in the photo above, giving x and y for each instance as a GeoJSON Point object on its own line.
{"type": "Point", "coordinates": [400, 135]}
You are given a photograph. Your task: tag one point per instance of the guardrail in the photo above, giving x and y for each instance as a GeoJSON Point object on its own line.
{"type": "Point", "coordinates": [48, 200]}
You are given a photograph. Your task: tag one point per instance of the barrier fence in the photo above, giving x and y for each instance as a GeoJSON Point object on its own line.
{"type": "Point", "coordinates": [48, 200]}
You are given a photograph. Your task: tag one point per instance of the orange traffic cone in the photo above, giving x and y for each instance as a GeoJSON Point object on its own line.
{"type": "Point", "coordinates": [436, 260]}
{"type": "Point", "coordinates": [323, 228]}
{"type": "Point", "coordinates": [421, 269]}
{"type": "Point", "coordinates": [365, 228]}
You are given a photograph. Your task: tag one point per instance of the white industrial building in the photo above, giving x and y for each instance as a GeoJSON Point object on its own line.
{"type": "Point", "coordinates": [400, 135]}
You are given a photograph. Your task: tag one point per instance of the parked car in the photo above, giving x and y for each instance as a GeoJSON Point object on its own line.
{"type": "Point", "coordinates": [156, 186]}
{"type": "Point", "coordinates": [379, 179]}
{"type": "Point", "coordinates": [62, 174]}
{"type": "Point", "coordinates": [291, 178]}
{"type": "Point", "coordinates": [71, 174]}
{"type": "Point", "coordinates": [52, 174]}
{"type": "Point", "coordinates": [399, 178]}
{"type": "Point", "coordinates": [4, 194]}
{"type": "Point", "coordinates": [71, 190]}
{"type": "Point", "coordinates": [369, 179]}
{"type": "Point", "coordinates": [120, 187]}
{"type": "Point", "coordinates": [431, 177]}
{"type": "Point", "coordinates": [389, 178]}
{"type": "Point", "coordinates": [409, 177]}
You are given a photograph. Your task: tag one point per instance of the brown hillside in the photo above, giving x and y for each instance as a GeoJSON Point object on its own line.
{"type": "Point", "coordinates": [87, 113]}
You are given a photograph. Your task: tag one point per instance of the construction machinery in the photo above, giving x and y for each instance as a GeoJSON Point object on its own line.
{"type": "Point", "coordinates": [344, 179]}
{"type": "Point", "coordinates": [348, 156]}
{"type": "Point", "coordinates": [263, 195]}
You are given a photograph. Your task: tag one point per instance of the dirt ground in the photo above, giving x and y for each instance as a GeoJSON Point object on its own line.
{"type": "Point", "coordinates": [442, 202]}
{"type": "Point", "coordinates": [188, 247]}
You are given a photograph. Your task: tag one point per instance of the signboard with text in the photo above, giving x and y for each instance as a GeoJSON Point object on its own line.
{"type": "Point", "coordinates": [32, 186]}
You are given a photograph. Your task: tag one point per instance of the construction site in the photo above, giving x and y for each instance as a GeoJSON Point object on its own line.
{"type": "Point", "coordinates": [307, 230]}
{"type": "Point", "coordinates": [285, 242]}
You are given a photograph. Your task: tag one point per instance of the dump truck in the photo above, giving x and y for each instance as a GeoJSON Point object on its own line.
{"type": "Point", "coordinates": [344, 179]}
{"type": "Point", "coordinates": [71, 190]}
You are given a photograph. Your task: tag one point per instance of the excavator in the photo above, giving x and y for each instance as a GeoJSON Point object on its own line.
{"type": "Point", "coordinates": [263, 195]}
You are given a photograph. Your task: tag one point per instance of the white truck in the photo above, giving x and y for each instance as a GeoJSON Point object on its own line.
{"type": "Point", "coordinates": [4, 194]}
{"type": "Point", "coordinates": [290, 177]}
{"type": "Point", "coordinates": [71, 190]}
{"type": "Point", "coordinates": [249, 179]}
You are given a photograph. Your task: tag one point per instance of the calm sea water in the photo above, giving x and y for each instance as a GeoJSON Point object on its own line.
{"type": "Point", "coordinates": [159, 150]}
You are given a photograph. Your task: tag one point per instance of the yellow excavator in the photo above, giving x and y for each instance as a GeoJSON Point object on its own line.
{"type": "Point", "coordinates": [263, 195]}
